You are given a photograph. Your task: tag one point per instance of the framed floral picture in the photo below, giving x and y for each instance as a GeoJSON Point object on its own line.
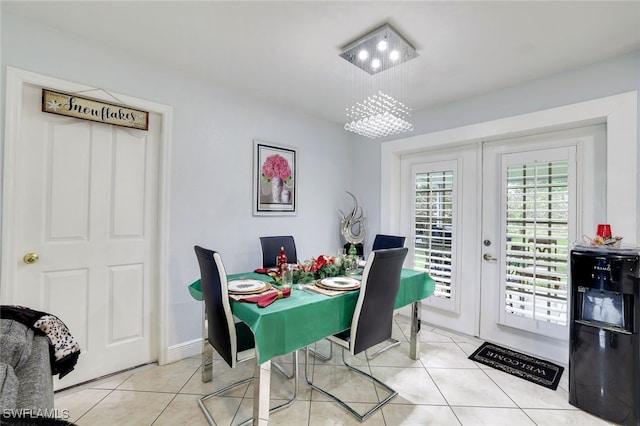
{"type": "Point", "coordinates": [275, 186]}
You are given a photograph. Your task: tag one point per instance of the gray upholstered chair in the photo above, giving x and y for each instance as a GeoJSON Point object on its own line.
{"type": "Point", "coordinates": [232, 340]}
{"type": "Point", "coordinates": [271, 248]}
{"type": "Point", "coordinates": [372, 318]}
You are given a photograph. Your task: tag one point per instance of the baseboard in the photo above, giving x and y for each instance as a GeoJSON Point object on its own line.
{"type": "Point", "coordinates": [184, 350]}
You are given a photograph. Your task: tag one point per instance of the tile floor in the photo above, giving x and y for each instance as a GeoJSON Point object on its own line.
{"type": "Point", "coordinates": [443, 387]}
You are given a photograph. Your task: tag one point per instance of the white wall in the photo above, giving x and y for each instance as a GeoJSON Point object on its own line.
{"type": "Point", "coordinates": [614, 76]}
{"type": "Point", "coordinates": [211, 164]}
{"type": "Point", "coordinates": [213, 130]}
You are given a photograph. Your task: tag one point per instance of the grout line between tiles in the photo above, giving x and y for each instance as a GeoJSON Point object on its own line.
{"type": "Point", "coordinates": [460, 344]}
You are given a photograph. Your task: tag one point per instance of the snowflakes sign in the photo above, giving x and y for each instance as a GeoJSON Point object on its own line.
{"type": "Point", "coordinates": [93, 110]}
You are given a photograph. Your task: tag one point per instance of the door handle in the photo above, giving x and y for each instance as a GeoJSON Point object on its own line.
{"type": "Point", "coordinates": [30, 258]}
{"type": "Point", "coordinates": [488, 256]}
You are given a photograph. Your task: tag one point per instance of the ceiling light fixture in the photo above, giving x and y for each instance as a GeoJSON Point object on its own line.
{"type": "Point", "coordinates": [383, 39]}
{"type": "Point", "coordinates": [380, 114]}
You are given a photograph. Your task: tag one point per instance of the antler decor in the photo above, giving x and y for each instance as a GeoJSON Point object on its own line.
{"type": "Point", "coordinates": [352, 226]}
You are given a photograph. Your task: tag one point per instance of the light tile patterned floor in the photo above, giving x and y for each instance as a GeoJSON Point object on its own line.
{"type": "Point", "coordinates": [443, 387]}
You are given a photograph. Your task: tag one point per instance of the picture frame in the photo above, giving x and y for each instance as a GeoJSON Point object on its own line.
{"type": "Point", "coordinates": [275, 183]}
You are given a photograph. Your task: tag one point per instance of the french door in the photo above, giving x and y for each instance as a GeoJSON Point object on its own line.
{"type": "Point", "coordinates": [538, 192]}
{"type": "Point", "coordinates": [493, 223]}
{"type": "Point", "coordinates": [441, 189]}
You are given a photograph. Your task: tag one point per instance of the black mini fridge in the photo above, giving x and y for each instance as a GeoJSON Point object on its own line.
{"type": "Point", "coordinates": [604, 352]}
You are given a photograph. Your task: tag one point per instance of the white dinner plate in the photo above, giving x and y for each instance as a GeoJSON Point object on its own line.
{"type": "Point", "coordinates": [340, 283]}
{"type": "Point", "coordinates": [246, 286]}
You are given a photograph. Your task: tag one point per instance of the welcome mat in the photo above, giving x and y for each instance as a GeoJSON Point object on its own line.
{"type": "Point", "coordinates": [541, 372]}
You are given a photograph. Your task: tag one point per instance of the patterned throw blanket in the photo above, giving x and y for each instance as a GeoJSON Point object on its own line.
{"type": "Point", "coordinates": [64, 350]}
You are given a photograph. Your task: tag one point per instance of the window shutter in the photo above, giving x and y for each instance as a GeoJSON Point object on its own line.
{"type": "Point", "coordinates": [537, 234]}
{"type": "Point", "coordinates": [434, 195]}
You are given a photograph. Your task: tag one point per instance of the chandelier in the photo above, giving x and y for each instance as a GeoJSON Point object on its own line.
{"type": "Point", "coordinates": [379, 114]}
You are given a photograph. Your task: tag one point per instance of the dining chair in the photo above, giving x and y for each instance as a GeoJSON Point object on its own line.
{"type": "Point", "coordinates": [271, 248]}
{"type": "Point", "coordinates": [383, 241]}
{"type": "Point", "coordinates": [234, 341]}
{"type": "Point", "coordinates": [372, 318]}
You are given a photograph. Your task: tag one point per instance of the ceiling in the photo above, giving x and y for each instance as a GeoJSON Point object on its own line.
{"type": "Point", "coordinates": [287, 51]}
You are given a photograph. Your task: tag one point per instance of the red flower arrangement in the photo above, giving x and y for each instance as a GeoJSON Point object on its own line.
{"type": "Point", "coordinates": [315, 268]}
{"type": "Point", "coordinates": [321, 267]}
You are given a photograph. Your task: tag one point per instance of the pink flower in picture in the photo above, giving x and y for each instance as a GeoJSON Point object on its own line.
{"type": "Point", "coordinates": [276, 166]}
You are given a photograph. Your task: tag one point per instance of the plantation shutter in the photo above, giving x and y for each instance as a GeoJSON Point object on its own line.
{"type": "Point", "coordinates": [537, 212]}
{"type": "Point", "coordinates": [433, 227]}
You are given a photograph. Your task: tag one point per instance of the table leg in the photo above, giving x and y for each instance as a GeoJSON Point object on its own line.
{"type": "Point", "coordinates": [261, 389]}
{"type": "Point", "coordinates": [414, 345]}
{"type": "Point", "coordinates": [207, 350]}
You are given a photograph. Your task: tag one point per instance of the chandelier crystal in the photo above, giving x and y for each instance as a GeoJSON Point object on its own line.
{"type": "Point", "coordinates": [378, 116]}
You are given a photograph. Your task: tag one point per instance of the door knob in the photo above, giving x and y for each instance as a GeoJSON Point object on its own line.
{"type": "Point", "coordinates": [487, 256]}
{"type": "Point", "coordinates": [30, 258]}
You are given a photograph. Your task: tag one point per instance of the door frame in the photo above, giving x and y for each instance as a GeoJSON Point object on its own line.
{"type": "Point", "coordinates": [618, 112]}
{"type": "Point", "coordinates": [16, 80]}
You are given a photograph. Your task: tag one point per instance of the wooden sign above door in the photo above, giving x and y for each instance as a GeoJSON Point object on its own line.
{"type": "Point", "coordinates": [89, 109]}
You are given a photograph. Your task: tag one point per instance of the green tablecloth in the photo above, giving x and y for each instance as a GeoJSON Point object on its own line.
{"type": "Point", "coordinates": [304, 318]}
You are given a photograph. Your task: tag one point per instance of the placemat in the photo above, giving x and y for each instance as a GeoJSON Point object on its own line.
{"type": "Point", "coordinates": [325, 291]}
{"type": "Point", "coordinates": [238, 296]}
{"type": "Point", "coordinates": [324, 286]}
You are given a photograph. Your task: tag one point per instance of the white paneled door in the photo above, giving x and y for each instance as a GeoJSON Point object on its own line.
{"type": "Point", "coordinates": [85, 202]}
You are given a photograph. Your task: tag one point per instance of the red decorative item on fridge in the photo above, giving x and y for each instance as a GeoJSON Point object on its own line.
{"type": "Point", "coordinates": [604, 231]}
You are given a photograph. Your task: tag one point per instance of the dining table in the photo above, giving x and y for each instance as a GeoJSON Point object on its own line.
{"type": "Point", "coordinates": [303, 318]}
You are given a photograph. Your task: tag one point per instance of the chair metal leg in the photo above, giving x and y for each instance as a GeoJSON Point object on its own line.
{"type": "Point", "coordinates": [283, 370]}
{"type": "Point", "coordinates": [361, 417]}
{"type": "Point", "coordinates": [286, 404]}
{"type": "Point", "coordinates": [317, 354]}
{"type": "Point", "coordinates": [392, 343]}
{"type": "Point", "coordinates": [295, 386]}
{"type": "Point", "coordinates": [201, 401]}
